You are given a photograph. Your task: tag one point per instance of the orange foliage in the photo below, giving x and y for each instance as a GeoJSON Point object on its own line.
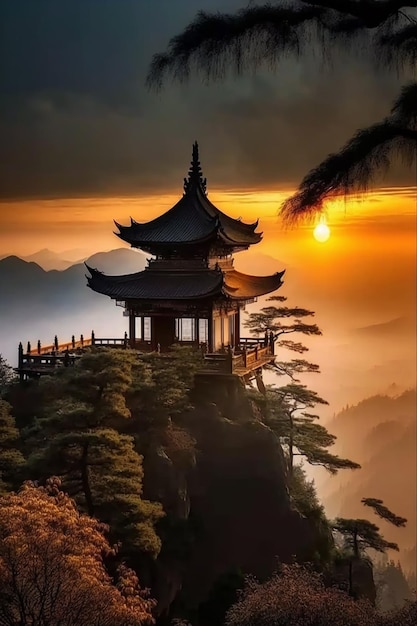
{"type": "Point", "coordinates": [52, 570]}
{"type": "Point", "coordinates": [297, 597]}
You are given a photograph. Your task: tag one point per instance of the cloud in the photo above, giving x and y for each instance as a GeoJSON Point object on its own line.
{"type": "Point", "coordinates": [76, 118]}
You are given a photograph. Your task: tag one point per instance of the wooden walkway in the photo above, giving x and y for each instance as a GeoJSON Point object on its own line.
{"type": "Point", "coordinates": [250, 355]}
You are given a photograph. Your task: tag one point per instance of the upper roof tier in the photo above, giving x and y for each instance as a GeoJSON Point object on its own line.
{"type": "Point", "coordinates": [193, 221]}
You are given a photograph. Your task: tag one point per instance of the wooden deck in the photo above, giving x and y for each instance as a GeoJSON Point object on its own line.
{"type": "Point", "coordinates": [250, 355]}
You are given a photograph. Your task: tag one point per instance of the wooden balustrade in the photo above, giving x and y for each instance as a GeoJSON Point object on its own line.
{"type": "Point", "coordinates": [248, 355]}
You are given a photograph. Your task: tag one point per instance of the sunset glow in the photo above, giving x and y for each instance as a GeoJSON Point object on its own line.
{"type": "Point", "coordinates": [321, 232]}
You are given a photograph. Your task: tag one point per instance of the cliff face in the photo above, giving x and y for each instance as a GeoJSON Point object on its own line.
{"type": "Point", "coordinates": [227, 502]}
{"type": "Point", "coordinates": [238, 495]}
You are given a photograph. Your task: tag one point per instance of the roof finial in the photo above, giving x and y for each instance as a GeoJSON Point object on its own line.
{"type": "Point", "coordinates": [195, 175]}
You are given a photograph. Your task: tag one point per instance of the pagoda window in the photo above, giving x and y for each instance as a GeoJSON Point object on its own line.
{"type": "Point", "coordinates": [185, 329]}
{"type": "Point", "coordinates": [203, 330]}
{"type": "Point", "coordinates": [143, 328]}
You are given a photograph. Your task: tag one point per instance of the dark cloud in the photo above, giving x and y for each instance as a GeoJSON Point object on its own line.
{"type": "Point", "coordinates": [77, 120]}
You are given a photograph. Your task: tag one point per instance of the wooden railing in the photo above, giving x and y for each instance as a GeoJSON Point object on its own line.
{"type": "Point", "coordinates": [249, 354]}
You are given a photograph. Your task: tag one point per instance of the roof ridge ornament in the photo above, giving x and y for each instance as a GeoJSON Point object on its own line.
{"type": "Point", "coordinates": [195, 174]}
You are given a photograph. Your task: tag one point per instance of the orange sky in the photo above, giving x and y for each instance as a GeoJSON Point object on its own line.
{"type": "Point", "coordinates": [365, 274]}
{"type": "Point", "coordinates": [87, 224]}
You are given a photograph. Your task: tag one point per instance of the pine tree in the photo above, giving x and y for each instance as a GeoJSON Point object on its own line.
{"type": "Point", "coordinates": [282, 321]}
{"type": "Point", "coordinates": [288, 415]}
{"type": "Point", "coordinates": [81, 441]}
{"type": "Point", "coordinates": [360, 535]}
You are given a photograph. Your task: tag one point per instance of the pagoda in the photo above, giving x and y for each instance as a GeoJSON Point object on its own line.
{"type": "Point", "coordinates": [190, 291]}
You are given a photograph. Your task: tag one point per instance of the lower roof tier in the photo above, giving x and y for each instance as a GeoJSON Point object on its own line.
{"type": "Point", "coordinates": [183, 285]}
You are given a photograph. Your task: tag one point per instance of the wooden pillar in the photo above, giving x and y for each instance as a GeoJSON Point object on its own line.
{"type": "Point", "coordinates": [132, 329]}
{"type": "Point", "coordinates": [210, 333]}
{"type": "Point", "coordinates": [196, 331]}
{"type": "Point", "coordinates": [142, 328]}
{"type": "Point", "coordinates": [237, 327]}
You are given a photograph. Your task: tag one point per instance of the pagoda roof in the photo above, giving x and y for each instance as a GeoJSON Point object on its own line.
{"type": "Point", "coordinates": [201, 283]}
{"type": "Point", "coordinates": [193, 219]}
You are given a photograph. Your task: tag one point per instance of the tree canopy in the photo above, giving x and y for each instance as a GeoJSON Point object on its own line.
{"type": "Point", "coordinates": [52, 566]}
{"type": "Point", "coordinates": [81, 440]}
{"type": "Point", "coordinates": [289, 416]}
{"type": "Point", "coordinates": [11, 458]}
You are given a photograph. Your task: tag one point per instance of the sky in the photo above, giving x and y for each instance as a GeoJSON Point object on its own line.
{"type": "Point", "coordinates": [83, 142]}
{"type": "Point", "coordinates": [77, 121]}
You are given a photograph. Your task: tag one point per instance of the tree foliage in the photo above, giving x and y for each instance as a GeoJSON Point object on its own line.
{"type": "Point", "coordinates": [383, 512]}
{"type": "Point", "coordinates": [270, 320]}
{"type": "Point", "coordinates": [360, 535]}
{"type": "Point", "coordinates": [162, 394]}
{"type": "Point", "coordinates": [260, 36]}
{"type": "Point", "coordinates": [81, 440]}
{"type": "Point", "coordinates": [11, 458]}
{"type": "Point", "coordinates": [6, 375]}
{"type": "Point", "coordinates": [289, 416]}
{"type": "Point", "coordinates": [52, 567]}
{"type": "Point", "coordinates": [295, 596]}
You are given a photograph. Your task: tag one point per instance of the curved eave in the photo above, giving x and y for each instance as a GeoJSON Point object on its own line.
{"type": "Point", "coordinates": [213, 210]}
{"type": "Point", "coordinates": [153, 285]}
{"type": "Point", "coordinates": [235, 241]}
{"type": "Point", "coordinates": [238, 286]}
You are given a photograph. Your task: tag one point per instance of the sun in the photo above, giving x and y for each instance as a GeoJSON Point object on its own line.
{"type": "Point", "coordinates": [321, 232]}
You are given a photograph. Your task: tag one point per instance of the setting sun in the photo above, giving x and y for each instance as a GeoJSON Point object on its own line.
{"type": "Point", "coordinates": [321, 232]}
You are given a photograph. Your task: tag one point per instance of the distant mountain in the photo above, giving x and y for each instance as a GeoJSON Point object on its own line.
{"type": "Point", "coordinates": [38, 304]}
{"type": "Point", "coordinates": [119, 261]}
{"type": "Point", "coordinates": [48, 260]}
{"type": "Point", "coordinates": [403, 325]}
{"type": "Point", "coordinates": [380, 434]}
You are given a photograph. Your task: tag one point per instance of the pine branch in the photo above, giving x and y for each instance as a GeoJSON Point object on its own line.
{"type": "Point", "coordinates": [215, 43]}
{"type": "Point", "coordinates": [368, 154]}
{"type": "Point", "coordinates": [383, 512]}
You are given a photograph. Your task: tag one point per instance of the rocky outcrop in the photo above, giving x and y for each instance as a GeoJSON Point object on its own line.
{"type": "Point", "coordinates": [240, 503]}
{"type": "Point", "coordinates": [226, 498]}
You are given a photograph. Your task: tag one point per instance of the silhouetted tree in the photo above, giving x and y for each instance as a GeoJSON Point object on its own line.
{"type": "Point", "coordinates": [288, 415]}
{"type": "Point", "coordinates": [282, 321]}
{"type": "Point", "coordinates": [360, 534]}
{"type": "Point", "coordinates": [214, 44]}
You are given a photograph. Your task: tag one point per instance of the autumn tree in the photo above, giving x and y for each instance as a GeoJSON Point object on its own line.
{"type": "Point", "coordinates": [259, 36]}
{"type": "Point", "coordinates": [288, 414]}
{"type": "Point", "coordinates": [11, 458]}
{"type": "Point", "coordinates": [52, 567]}
{"type": "Point", "coordinates": [81, 440]}
{"type": "Point", "coordinates": [295, 596]}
